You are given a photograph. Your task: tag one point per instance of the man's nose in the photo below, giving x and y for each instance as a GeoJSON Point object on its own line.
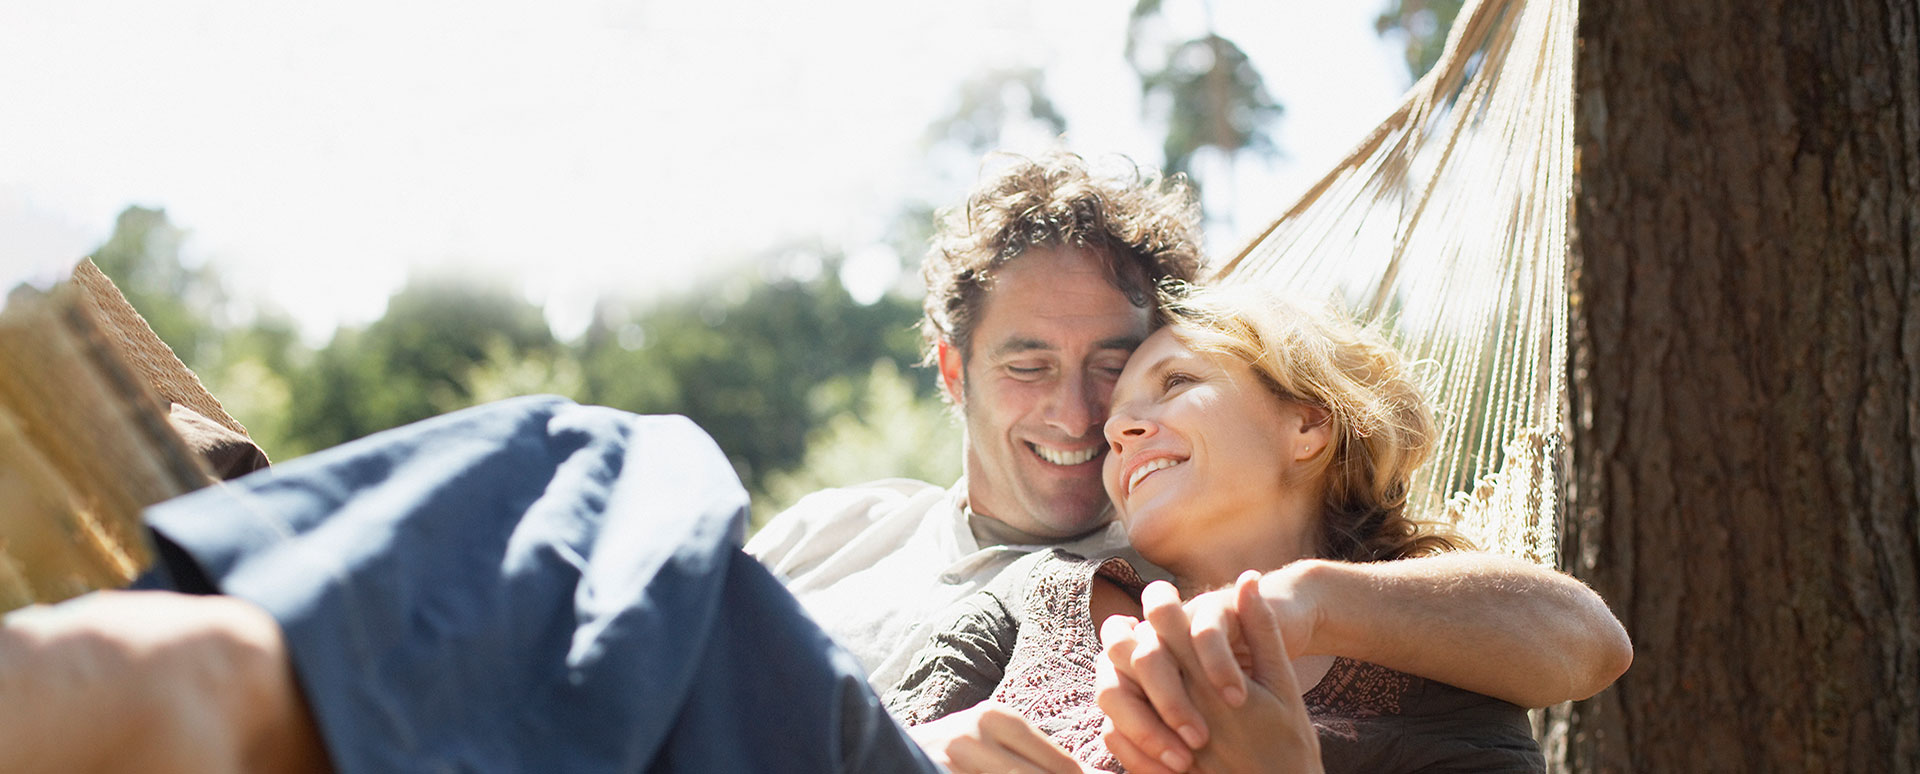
{"type": "Point", "coordinates": [1076, 404]}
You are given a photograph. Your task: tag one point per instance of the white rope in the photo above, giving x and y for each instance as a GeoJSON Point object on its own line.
{"type": "Point", "coordinates": [1447, 226]}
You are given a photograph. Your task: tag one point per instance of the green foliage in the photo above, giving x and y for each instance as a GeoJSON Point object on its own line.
{"type": "Point", "coordinates": [1423, 25]}
{"type": "Point", "coordinates": [418, 360]}
{"type": "Point", "coordinates": [744, 364]}
{"type": "Point", "coordinates": [885, 428]}
{"type": "Point", "coordinates": [143, 258]}
{"type": "Point", "coordinates": [763, 364]}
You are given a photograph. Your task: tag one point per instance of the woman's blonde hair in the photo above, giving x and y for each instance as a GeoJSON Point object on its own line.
{"type": "Point", "coordinates": [1381, 425]}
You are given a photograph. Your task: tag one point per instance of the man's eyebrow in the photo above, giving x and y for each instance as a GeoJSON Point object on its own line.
{"type": "Point", "coordinates": [1019, 344]}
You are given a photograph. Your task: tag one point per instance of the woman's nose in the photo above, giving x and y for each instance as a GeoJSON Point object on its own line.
{"type": "Point", "coordinates": [1123, 427]}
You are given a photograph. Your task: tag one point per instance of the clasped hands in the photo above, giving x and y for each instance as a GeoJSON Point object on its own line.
{"type": "Point", "coordinates": [1208, 685]}
{"type": "Point", "coordinates": [1201, 686]}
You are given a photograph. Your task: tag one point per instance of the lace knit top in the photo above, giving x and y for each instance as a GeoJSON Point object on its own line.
{"type": "Point", "coordinates": [1028, 641]}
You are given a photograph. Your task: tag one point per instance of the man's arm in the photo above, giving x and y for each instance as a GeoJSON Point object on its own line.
{"type": "Point", "coordinates": [1488, 623]}
{"type": "Point", "coordinates": [1484, 622]}
{"type": "Point", "coordinates": [151, 681]}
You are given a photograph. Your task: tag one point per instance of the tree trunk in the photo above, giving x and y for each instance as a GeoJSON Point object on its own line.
{"type": "Point", "coordinates": [1746, 385]}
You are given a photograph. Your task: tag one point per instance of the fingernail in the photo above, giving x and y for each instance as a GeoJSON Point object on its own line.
{"type": "Point", "coordinates": [1175, 759]}
{"type": "Point", "coordinates": [1192, 735]}
{"type": "Point", "coordinates": [1234, 695]}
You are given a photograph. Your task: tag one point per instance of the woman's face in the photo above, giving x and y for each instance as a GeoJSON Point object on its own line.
{"type": "Point", "coordinates": [1206, 461]}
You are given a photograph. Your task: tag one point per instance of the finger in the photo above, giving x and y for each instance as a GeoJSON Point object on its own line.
{"type": "Point", "coordinates": [968, 754]}
{"type": "Point", "coordinates": [1162, 660]}
{"type": "Point", "coordinates": [1215, 629]}
{"type": "Point", "coordinates": [1271, 665]}
{"type": "Point", "coordinates": [1117, 630]}
{"type": "Point", "coordinates": [1131, 757]}
{"type": "Point", "coordinates": [1161, 603]}
{"type": "Point", "coordinates": [1158, 673]}
{"type": "Point", "coordinates": [1024, 743]}
{"type": "Point", "coordinates": [1129, 714]}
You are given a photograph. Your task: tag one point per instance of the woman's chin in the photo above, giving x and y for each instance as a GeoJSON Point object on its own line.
{"type": "Point", "coordinates": [1151, 538]}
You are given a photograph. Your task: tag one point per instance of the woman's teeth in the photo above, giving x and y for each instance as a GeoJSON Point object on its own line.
{"type": "Point", "coordinates": [1141, 472]}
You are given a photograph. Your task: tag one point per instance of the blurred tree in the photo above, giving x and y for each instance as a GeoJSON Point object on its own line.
{"type": "Point", "coordinates": [181, 303]}
{"type": "Point", "coordinates": [1205, 89]}
{"type": "Point", "coordinates": [252, 379]}
{"type": "Point", "coordinates": [744, 359]}
{"type": "Point", "coordinates": [1422, 25]}
{"type": "Point", "coordinates": [993, 103]}
{"type": "Point", "coordinates": [889, 429]}
{"type": "Point", "coordinates": [418, 360]}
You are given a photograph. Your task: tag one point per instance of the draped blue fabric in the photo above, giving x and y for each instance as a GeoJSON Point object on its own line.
{"type": "Point", "coordinates": [531, 585]}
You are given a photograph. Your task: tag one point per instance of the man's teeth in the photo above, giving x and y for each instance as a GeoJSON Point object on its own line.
{"type": "Point", "coordinates": [1066, 457]}
{"type": "Point", "coordinates": [1141, 472]}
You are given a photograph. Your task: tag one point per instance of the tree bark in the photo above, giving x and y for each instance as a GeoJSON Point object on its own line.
{"type": "Point", "coordinates": [1746, 385]}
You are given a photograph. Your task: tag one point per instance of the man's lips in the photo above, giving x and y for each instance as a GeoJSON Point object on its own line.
{"type": "Point", "coordinates": [1148, 464]}
{"type": "Point", "coordinates": [1067, 457]}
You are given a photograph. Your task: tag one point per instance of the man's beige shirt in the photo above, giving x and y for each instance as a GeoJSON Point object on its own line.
{"type": "Point", "coordinates": [873, 563]}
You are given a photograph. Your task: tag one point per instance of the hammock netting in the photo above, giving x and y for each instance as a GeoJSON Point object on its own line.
{"type": "Point", "coordinates": [1447, 228]}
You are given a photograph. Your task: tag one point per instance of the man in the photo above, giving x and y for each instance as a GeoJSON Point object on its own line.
{"type": "Point", "coordinates": [1038, 289]}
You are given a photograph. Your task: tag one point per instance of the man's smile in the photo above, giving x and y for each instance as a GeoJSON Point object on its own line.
{"type": "Point", "coordinates": [1065, 457]}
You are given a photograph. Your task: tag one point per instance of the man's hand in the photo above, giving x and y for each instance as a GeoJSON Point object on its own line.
{"type": "Point", "coordinates": [990, 737]}
{"type": "Point", "coordinates": [152, 682]}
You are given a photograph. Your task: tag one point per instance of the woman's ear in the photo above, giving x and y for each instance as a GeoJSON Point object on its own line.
{"type": "Point", "coordinates": [1315, 431]}
{"type": "Point", "coordinates": [952, 371]}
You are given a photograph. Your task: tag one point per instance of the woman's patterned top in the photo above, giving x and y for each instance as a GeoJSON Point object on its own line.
{"type": "Point", "coordinates": [1028, 641]}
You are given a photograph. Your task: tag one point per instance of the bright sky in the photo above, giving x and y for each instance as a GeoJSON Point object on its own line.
{"type": "Point", "coordinates": [317, 152]}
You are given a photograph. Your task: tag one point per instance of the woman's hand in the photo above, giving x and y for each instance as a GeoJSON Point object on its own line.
{"type": "Point", "coordinates": [991, 737]}
{"type": "Point", "coordinates": [1251, 720]}
{"type": "Point", "coordinates": [1270, 731]}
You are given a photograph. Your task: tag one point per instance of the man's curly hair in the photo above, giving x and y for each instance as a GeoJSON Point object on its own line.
{"type": "Point", "coordinates": [1146, 228]}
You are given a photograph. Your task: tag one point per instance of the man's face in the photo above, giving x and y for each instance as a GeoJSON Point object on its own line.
{"type": "Point", "coordinates": [1051, 338]}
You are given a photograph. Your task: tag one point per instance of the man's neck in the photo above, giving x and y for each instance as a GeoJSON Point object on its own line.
{"type": "Point", "coordinates": [989, 531]}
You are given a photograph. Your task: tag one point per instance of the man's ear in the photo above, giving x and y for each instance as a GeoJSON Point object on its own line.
{"type": "Point", "coordinates": [1316, 431]}
{"type": "Point", "coordinates": [952, 371]}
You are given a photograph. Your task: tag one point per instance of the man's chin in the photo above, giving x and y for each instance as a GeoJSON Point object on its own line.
{"type": "Point", "coordinates": [1078, 517]}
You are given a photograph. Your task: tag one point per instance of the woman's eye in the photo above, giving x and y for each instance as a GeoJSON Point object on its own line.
{"type": "Point", "coordinates": [1174, 379]}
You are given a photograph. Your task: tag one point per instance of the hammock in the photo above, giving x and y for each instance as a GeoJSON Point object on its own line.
{"type": "Point", "coordinates": [1447, 227]}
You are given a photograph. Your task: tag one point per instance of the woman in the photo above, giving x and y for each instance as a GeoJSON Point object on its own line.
{"type": "Point", "coordinates": [1247, 434]}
